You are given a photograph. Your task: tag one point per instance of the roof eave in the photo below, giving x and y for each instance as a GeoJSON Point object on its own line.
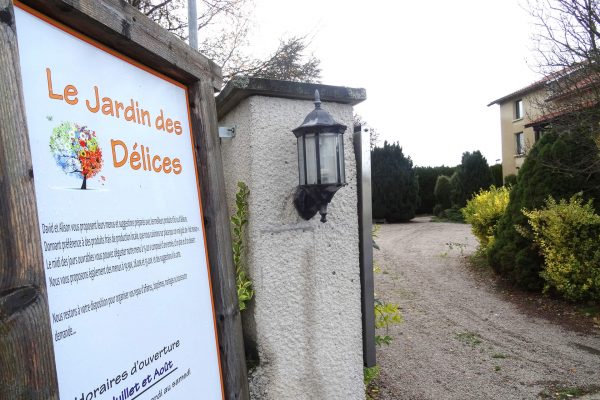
{"type": "Point", "coordinates": [518, 93]}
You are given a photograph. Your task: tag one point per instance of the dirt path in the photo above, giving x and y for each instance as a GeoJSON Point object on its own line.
{"type": "Point", "coordinates": [460, 338]}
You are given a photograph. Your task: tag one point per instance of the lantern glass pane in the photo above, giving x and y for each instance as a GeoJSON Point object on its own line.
{"type": "Point", "coordinates": [341, 158]}
{"type": "Point", "coordinates": [311, 159]}
{"type": "Point", "coordinates": [328, 158]}
{"type": "Point", "coordinates": [301, 161]}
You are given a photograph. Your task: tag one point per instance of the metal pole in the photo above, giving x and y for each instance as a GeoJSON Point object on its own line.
{"type": "Point", "coordinates": [193, 24]}
{"type": "Point", "coordinates": [362, 150]}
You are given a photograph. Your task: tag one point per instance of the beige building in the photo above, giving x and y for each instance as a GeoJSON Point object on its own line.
{"type": "Point", "coordinates": [564, 96]}
{"type": "Point", "coordinates": [518, 112]}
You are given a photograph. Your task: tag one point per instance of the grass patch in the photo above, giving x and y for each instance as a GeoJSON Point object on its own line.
{"type": "Point", "coordinates": [370, 375]}
{"type": "Point", "coordinates": [469, 338]}
{"type": "Point", "coordinates": [567, 392]}
{"type": "Point", "coordinates": [498, 355]}
{"type": "Point", "coordinates": [590, 310]}
{"type": "Point", "coordinates": [478, 260]}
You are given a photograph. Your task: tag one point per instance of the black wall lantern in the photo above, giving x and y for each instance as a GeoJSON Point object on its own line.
{"type": "Point", "coordinates": [320, 161]}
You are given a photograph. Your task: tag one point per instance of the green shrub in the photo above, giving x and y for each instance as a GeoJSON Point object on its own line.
{"type": "Point", "coordinates": [567, 234]}
{"type": "Point", "coordinates": [442, 194]}
{"type": "Point", "coordinates": [370, 374]}
{"type": "Point", "coordinates": [386, 315]}
{"type": "Point", "coordinates": [457, 192]}
{"type": "Point", "coordinates": [483, 212]}
{"type": "Point", "coordinates": [238, 224]}
{"type": "Point", "coordinates": [427, 177]}
{"type": "Point", "coordinates": [513, 255]}
{"type": "Point", "coordinates": [453, 214]}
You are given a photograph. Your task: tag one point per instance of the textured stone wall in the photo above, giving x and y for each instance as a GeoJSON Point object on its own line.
{"type": "Point", "coordinates": [305, 319]}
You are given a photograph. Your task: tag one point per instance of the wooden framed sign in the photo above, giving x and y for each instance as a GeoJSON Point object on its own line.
{"type": "Point", "coordinates": [120, 221]}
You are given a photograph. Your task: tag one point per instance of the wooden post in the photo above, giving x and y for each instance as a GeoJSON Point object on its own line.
{"type": "Point", "coordinates": [218, 238]}
{"type": "Point", "coordinates": [26, 354]}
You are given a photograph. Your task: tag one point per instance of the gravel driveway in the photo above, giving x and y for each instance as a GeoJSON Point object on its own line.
{"type": "Point", "coordinates": [460, 338]}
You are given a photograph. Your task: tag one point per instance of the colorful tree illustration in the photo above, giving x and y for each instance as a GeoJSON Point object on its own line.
{"type": "Point", "coordinates": [76, 151]}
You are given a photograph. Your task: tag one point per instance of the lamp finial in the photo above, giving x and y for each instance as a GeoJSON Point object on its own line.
{"type": "Point", "coordinates": [317, 100]}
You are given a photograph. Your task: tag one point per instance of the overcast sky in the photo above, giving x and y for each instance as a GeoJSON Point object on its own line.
{"type": "Point", "coordinates": [429, 67]}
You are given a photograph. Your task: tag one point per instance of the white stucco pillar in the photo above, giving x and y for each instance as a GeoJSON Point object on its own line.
{"type": "Point", "coordinates": [305, 319]}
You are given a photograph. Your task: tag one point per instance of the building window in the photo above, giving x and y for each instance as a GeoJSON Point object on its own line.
{"type": "Point", "coordinates": [520, 141]}
{"type": "Point", "coordinates": [519, 109]}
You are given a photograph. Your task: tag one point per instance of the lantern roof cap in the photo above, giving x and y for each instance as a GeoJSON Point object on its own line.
{"type": "Point", "coordinates": [319, 120]}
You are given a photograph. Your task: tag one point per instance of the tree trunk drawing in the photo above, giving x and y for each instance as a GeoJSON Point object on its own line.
{"type": "Point", "coordinates": [84, 183]}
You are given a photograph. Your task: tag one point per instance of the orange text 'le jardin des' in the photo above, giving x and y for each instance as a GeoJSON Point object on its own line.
{"type": "Point", "coordinates": [132, 112]}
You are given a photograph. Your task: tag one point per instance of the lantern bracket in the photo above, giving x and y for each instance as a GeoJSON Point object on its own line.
{"type": "Point", "coordinates": [310, 199]}
{"type": "Point", "coordinates": [227, 132]}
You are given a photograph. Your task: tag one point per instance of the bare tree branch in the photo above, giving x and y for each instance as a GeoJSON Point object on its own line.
{"type": "Point", "coordinates": [224, 27]}
{"type": "Point", "coordinates": [568, 56]}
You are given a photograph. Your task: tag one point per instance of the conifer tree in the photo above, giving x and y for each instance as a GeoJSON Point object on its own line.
{"type": "Point", "coordinates": [472, 175]}
{"type": "Point", "coordinates": [394, 184]}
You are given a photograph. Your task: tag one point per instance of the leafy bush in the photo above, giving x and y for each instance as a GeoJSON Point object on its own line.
{"type": "Point", "coordinates": [394, 183]}
{"type": "Point", "coordinates": [567, 234]}
{"type": "Point", "coordinates": [483, 212]}
{"type": "Point", "coordinates": [370, 374]}
{"type": "Point", "coordinates": [511, 254]}
{"type": "Point", "coordinates": [238, 224]}
{"type": "Point", "coordinates": [386, 315]}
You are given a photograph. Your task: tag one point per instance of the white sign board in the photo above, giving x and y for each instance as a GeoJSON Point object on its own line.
{"type": "Point", "coordinates": [120, 220]}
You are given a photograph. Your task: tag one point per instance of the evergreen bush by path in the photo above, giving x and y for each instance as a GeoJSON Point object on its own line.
{"type": "Point", "coordinates": [514, 255]}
